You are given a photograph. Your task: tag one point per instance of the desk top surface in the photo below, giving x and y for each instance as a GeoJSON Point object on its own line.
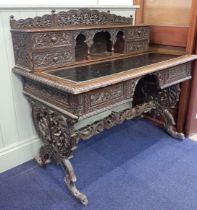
{"type": "Point", "coordinates": [85, 77]}
{"type": "Point", "coordinates": [93, 71]}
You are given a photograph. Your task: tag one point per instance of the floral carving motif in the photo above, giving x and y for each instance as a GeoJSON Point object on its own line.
{"type": "Point", "coordinates": [51, 39]}
{"type": "Point", "coordinates": [113, 119]}
{"type": "Point", "coordinates": [54, 129]}
{"type": "Point", "coordinates": [21, 49]}
{"type": "Point", "coordinates": [71, 17]}
{"type": "Point", "coordinates": [173, 74]}
{"type": "Point", "coordinates": [37, 22]}
{"type": "Point", "coordinates": [138, 33]}
{"type": "Point", "coordinates": [46, 92]}
{"type": "Point", "coordinates": [52, 58]}
{"type": "Point", "coordinates": [134, 46]}
{"type": "Point", "coordinates": [106, 95]}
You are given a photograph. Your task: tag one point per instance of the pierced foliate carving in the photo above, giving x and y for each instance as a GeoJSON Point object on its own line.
{"type": "Point", "coordinates": [37, 22]}
{"type": "Point", "coordinates": [59, 139]}
{"type": "Point", "coordinates": [163, 100]}
{"type": "Point", "coordinates": [71, 17]}
{"type": "Point", "coordinates": [54, 129]}
{"type": "Point", "coordinates": [113, 119]}
{"type": "Point", "coordinates": [168, 97]}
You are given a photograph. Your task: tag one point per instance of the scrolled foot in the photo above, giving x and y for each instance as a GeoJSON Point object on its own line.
{"type": "Point", "coordinates": [169, 122]}
{"type": "Point", "coordinates": [73, 189]}
{"type": "Point", "coordinates": [70, 179]}
{"type": "Point", "coordinates": [175, 134]}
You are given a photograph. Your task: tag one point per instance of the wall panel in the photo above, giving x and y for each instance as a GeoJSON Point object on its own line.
{"type": "Point", "coordinates": [168, 12]}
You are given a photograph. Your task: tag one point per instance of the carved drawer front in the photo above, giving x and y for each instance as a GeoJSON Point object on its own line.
{"type": "Point", "coordinates": [138, 33]}
{"type": "Point", "coordinates": [53, 57]}
{"type": "Point", "coordinates": [104, 97]}
{"type": "Point", "coordinates": [136, 46]}
{"type": "Point", "coordinates": [174, 75]}
{"type": "Point", "coordinates": [51, 39]}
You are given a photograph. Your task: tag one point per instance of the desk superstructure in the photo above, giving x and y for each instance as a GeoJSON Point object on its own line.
{"type": "Point", "coordinates": [79, 63]}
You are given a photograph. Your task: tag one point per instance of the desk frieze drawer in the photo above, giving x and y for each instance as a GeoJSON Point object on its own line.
{"type": "Point", "coordinates": [174, 75]}
{"type": "Point", "coordinates": [104, 97]}
{"type": "Point", "coordinates": [47, 93]}
{"type": "Point", "coordinates": [53, 58]}
{"type": "Point", "coordinates": [51, 39]}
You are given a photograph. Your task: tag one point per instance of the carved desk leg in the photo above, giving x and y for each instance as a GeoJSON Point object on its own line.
{"type": "Point", "coordinates": [164, 100]}
{"type": "Point", "coordinates": [59, 141]}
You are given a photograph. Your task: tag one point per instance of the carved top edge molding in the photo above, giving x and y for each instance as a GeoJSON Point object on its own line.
{"type": "Point", "coordinates": [78, 17]}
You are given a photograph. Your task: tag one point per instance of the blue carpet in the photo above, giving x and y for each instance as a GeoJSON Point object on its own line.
{"type": "Point", "coordinates": [133, 166]}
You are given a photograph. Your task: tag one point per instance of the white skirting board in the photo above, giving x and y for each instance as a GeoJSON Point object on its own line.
{"type": "Point", "coordinates": [19, 153]}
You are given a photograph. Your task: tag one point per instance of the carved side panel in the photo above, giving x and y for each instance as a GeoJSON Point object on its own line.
{"type": "Point", "coordinates": [174, 75]}
{"type": "Point", "coordinates": [51, 39]}
{"type": "Point", "coordinates": [55, 57]}
{"type": "Point", "coordinates": [22, 46]}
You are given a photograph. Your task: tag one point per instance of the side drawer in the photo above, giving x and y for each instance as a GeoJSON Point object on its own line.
{"type": "Point", "coordinates": [138, 33]}
{"type": "Point", "coordinates": [137, 46]}
{"type": "Point", "coordinates": [174, 75]}
{"type": "Point", "coordinates": [52, 57]}
{"type": "Point", "coordinates": [51, 39]}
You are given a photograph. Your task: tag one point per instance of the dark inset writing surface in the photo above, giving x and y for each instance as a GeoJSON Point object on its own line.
{"type": "Point", "coordinates": [93, 71]}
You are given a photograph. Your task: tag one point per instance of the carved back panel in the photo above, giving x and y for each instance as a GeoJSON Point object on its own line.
{"type": "Point", "coordinates": [50, 41]}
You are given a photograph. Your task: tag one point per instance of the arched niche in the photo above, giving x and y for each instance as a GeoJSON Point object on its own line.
{"type": "Point", "coordinates": [102, 45]}
{"type": "Point", "coordinates": [120, 43]}
{"type": "Point", "coordinates": [81, 48]}
{"type": "Point", "coordinates": [145, 87]}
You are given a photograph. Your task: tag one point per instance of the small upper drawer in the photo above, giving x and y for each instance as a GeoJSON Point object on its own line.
{"type": "Point", "coordinates": [51, 39]}
{"type": "Point", "coordinates": [52, 57]}
{"type": "Point", "coordinates": [137, 46]}
{"type": "Point", "coordinates": [138, 33]}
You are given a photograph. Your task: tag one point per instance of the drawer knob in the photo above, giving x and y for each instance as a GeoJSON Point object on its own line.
{"type": "Point", "coordinates": [53, 39]}
{"type": "Point", "coordinates": [55, 59]}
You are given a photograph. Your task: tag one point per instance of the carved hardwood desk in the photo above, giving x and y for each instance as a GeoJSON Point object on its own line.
{"type": "Point", "coordinates": [81, 63]}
